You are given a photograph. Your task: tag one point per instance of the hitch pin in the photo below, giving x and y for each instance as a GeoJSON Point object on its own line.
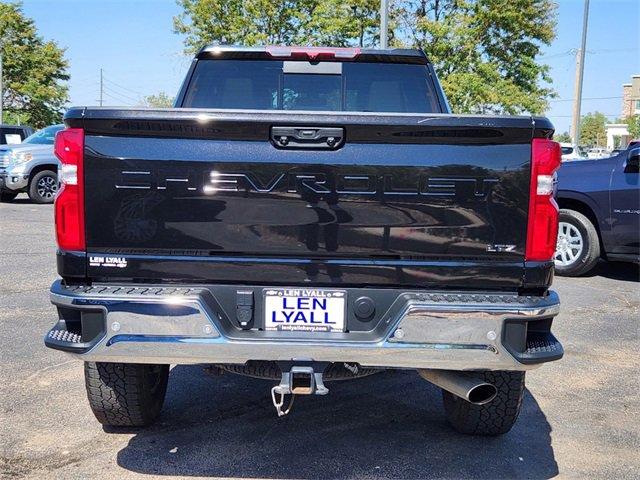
{"type": "Point", "coordinates": [279, 403]}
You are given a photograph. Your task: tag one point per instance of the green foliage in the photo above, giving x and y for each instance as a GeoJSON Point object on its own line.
{"type": "Point", "coordinates": [279, 22]}
{"type": "Point", "coordinates": [343, 23]}
{"type": "Point", "coordinates": [633, 126]}
{"type": "Point", "coordinates": [34, 71]}
{"type": "Point", "coordinates": [161, 100]}
{"type": "Point", "coordinates": [563, 137]}
{"type": "Point", "coordinates": [234, 22]}
{"type": "Point", "coordinates": [484, 51]}
{"type": "Point", "coordinates": [14, 117]}
{"type": "Point", "coordinates": [592, 131]}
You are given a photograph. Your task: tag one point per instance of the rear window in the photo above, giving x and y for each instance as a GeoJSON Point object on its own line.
{"type": "Point", "coordinates": [268, 85]}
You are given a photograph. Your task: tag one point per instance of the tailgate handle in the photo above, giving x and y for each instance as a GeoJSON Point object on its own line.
{"type": "Point", "coordinates": [328, 138]}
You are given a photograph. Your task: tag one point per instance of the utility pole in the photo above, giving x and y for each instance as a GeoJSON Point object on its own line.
{"type": "Point", "coordinates": [101, 87]}
{"type": "Point", "coordinates": [384, 23]}
{"type": "Point", "coordinates": [577, 94]}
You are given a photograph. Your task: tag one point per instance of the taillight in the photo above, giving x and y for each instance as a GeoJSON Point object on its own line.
{"type": "Point", "coordinates": [542, 228]}
{"type": "Point", "coordinates": [313, 53]}
{"type": "Point", "coordinates": [69, 207]}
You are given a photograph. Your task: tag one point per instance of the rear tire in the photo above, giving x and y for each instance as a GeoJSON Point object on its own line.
{"type": "Point", "coordinates": [493, 418]}
{"type": "Point", "coordinates": [126, 394]}
{"type": "Point", "coordinates": [7, 196]}
{"type": "Point", "coordinates": [43, 187]}
{"type": "Point", "coordinates": [569, 261]}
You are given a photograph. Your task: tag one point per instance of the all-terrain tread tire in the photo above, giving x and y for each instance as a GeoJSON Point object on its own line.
{"type": "Point", "coordinates": [591, 249]}
{"type": "Point", "coordinates": [493, 418]}
{"type": "Point", "coordinates": [126, 394]}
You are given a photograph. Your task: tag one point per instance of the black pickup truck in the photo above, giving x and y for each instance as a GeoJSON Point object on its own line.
{"type": "Point", "coordinates": [307, 215]}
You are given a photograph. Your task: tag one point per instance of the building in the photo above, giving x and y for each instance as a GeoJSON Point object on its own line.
{"type": "Point", "coordinates": [617, 133]}
{"type": "Point", "coordinates": [631, 97]}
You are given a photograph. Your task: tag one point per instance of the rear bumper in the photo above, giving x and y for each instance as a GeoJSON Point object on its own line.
{"type": "Point", "coordinates": [454, 331]}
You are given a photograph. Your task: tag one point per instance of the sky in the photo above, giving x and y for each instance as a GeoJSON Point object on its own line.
{"type": "Point", "coordinates": [133, 42]}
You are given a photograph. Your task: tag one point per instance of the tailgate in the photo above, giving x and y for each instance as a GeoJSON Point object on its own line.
{"type": "Point", "coordinates": [400, 199]}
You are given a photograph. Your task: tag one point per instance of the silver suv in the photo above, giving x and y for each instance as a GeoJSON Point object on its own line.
{"type": "Point", "coordinates": [30, 167]}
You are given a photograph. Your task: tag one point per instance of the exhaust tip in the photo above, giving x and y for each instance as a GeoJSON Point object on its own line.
{"type": "Point", "coordinates": [482, 393]}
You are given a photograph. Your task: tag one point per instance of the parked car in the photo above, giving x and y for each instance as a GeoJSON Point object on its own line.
{"type": "Point", "coordinates": [630, 145]}
{"type": "Point", "coordinates": [598, 152]}
{"type": "Point", "coordinates": [571, 152]}
{"type": "Point", "coordinates": [14, 134]}
{"type": "Point", "coordinates": [599, 212]}
{"type": "Point", "coordinates": [30, 167]}
{"type": "Point", "coordinates": [310, 214]}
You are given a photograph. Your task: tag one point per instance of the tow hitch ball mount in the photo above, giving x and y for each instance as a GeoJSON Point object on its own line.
{"type": "Point", "coordinates": [298, 378]}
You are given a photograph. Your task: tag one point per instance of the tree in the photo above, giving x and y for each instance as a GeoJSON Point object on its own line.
{"type": "Point", "coordinates": [633, 126]}
{"type": "Point", "coordinates": [564, 137]}
{"type": "Point", "coordinates": [34, 71]}
{"type": "Point", "coordinates": [592, 131]}
{"type": "Point", "coordinates": [485, 51]}
{"type": "Point", "coordinates": [238, 22]}
{"type": "Point", "coordinates": [161, 100]}
{"type": "Point", "coordinates": [344, 23]}
{"type": "Point", "coordinates": [280, 22]}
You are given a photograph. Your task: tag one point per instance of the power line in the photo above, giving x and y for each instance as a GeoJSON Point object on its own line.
{"type": "Point", "coordinates": [569, 116]}
{"type": "Point", "coordinates": [573, 51]}
{"type": "Point", "coordinates": [612, 50]}
{"type": "Point", "coordinates": [584, 98]}
{"type": "Point", "coordinates": [122, 87]}
{"type": "Point", "coordinates": [118, 99]}
{"type": "Point", "coordinates": [114, 92]}
{"type": "Point", "coordinates": [569, 52]}
{"type": "Point", "coordinates": [112, 97]}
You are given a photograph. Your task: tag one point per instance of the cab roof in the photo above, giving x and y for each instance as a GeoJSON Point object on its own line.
{"type": "Point", "coordinates": [314, 54]}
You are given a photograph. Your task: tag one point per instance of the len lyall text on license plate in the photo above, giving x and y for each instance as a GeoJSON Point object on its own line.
{"type": "Point", "coordinates": [304, 309]}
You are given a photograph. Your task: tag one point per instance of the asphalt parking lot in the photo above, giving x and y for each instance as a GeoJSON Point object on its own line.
{"type": "Point", "coordinates": [581, 416]}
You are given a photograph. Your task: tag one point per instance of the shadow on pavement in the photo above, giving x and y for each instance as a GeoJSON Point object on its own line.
{"type": "Point", "coordinates": [625, 271]}
{"type": "Point", "coordinates": [389, 425]}
{"type": "Point", "coordinates": [22, 200]}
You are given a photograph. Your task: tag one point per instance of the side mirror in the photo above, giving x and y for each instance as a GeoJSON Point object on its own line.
{"type": "Point", "coordinates": [633, 161]}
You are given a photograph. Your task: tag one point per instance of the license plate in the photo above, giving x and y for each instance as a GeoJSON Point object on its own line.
{"type": "Point", "coordinates": [304, 309]}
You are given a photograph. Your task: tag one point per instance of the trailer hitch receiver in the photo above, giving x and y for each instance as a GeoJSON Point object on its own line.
{"type": "Point", "coordinates": [297, 380]}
